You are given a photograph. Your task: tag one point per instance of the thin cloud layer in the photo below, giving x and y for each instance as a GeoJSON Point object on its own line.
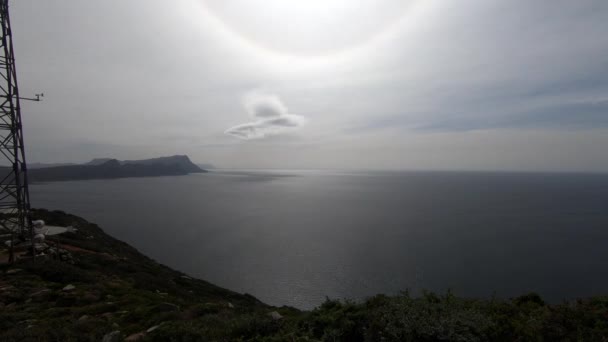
{"type": "Point", "coordinates": [270, 117]}
{"type": "Point", "coordinates": [467, 84]}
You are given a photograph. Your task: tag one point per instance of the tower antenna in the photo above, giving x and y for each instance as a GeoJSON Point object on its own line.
{"type": "Point", "coordinates": [15, 216]}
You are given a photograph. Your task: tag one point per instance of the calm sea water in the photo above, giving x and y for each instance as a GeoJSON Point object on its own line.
{"type": "Point", "coordinates": [295, 237]}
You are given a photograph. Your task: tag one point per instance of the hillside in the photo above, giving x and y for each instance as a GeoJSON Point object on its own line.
{"type": "Point", "coordinates": [182, 161]}
{"type": "Point", "coordinates": [103, 168]}
{"type": "Point", "coordinates": [97, 287]}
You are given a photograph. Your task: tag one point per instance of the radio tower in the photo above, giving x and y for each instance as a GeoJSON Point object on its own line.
{"type": "Point", "coordinates": [14, 194]}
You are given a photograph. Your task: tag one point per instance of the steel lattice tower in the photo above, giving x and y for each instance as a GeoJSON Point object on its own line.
{"type": "Point", "coordinates": [14, 194]}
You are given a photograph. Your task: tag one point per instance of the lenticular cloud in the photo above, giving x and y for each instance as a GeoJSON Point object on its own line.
{"type": "Point", "coordinates": [269, 117]}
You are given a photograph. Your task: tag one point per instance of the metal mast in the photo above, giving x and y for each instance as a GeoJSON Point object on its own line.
{"type": "Point", "coordinates": [14, 194]}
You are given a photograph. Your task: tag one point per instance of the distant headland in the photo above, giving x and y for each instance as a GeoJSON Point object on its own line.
{"type": "Point", "coordinates": [107, 168]}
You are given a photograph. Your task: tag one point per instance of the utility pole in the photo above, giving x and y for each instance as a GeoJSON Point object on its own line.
{"type": "Point", "coordinates": [15, 215]}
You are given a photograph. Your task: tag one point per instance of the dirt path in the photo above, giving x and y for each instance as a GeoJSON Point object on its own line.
{"type": "Point", "coordinates": [82, 250]}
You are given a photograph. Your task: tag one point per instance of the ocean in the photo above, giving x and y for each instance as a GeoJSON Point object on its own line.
{"type": "Point", "coordinates": [294, 238]}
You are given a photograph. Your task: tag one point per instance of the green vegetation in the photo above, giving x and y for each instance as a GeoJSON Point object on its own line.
{"type": "Point", "coordinates": [115, 288]}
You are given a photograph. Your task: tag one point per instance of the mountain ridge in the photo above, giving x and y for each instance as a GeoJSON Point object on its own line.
{"type": "Point", "coordinates": [107, 168]}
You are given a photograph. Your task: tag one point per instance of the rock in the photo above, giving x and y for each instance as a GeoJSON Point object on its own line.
{"type": "Point", "coordinates": [230, 305]}
{"type": "Point", "coordinates": [13, 271]}
{"type": "Point", "coordinates": [114, 336]}
{"type": "Point", "coordinates": [28, 321]}
{"type": "Point", "coordinates": [41, 295]}
{"type": "Point", "coordinates": [165, 307]}
{"type": "Point", "coordinates": [275, 315]}
{"type": "Point", "coordinates": [83, 318]}
{"type": "Point", "coordinates": [65, 255]}
{"type": "Point", "coordinates": [69, 287]}
{"type": "Point", "coordinates": [135, 337]}
{"type": "Point", "coordinates": [40, 247]}
{"type": "Point", "coordinates": [151, 329]}
{"type": "Point", "coordinates": [90, 297]}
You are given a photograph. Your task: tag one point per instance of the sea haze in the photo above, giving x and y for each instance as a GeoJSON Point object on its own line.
{"type": "Point", "coordinates": [295, 237]}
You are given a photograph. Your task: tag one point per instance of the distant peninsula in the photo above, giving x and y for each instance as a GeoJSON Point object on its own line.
{"type": "Point", "coordinates": [108, 168]}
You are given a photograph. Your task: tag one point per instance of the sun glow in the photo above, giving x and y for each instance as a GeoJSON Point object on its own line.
{"type": "Point", "coordinates": [307, 33]}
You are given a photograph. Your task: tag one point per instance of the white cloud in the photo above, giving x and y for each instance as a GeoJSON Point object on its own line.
{"type": "Point", "coordinates": [270, 117]}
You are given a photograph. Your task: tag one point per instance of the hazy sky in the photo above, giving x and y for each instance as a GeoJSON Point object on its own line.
{"type": "Point", "coordinates": [374, 84]}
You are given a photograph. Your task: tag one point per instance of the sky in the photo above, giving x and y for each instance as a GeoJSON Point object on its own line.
{"type": "Point", "coordinates": [344, 84]}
